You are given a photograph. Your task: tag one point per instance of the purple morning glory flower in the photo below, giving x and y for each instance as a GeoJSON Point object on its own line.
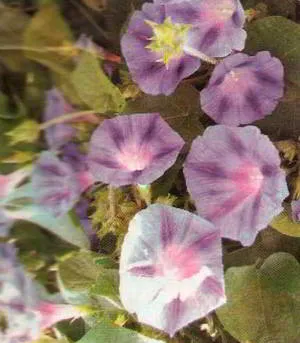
{"type": "Point", "coordinates": [57, 186]}
{"type": "Point", "coordinates": [243, 88]}
{"type": "Point", "coordinates": [72, 155]}
{"type": "Point", "coordinates": [57, 135]}
{"type": "Point", "coordinates": [133, 149]}
{"type": "Point", "coordinates": [26, 314]}
{"type": "Point", "coordinates": [175, 258]}
{"type": "Point", "coordinates": [216, 25]}
{"type": "Point", "coordinates": [234, 176]}
{"type": "Point", "coordinates": [296, 210]}
{"type": "Point", "coordinates": [153, 50]}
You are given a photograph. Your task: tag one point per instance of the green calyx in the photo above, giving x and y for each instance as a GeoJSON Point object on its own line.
{"type": "Point", "coordinates": [168, 39]}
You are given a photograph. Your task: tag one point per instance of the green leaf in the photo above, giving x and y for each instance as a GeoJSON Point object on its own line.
{"type": "Point", "coordinates": [48, 339]}
{"type": "Point", "coordinates": [83, 281]}
{"type": "Point", "coordinates": [181, 110]}
{"type": "Point", "coordinates": [66, 227]}
{"type": "Point", "coordinates": [268, 242]}
{"type": "Point", "coordinates": [107, 284]}
{"type": "Point", "coordinates": [48, 40]}
{"type": "Point", "coordinates": [284, 224]}
{"type": "Point", "coordinates": [36, 248]}
{"type": "Point", "coordinates": [286, 8]}
{"type": "Point", "coordinates": [281, 37]}
{"type": "Point", "coordinates": [283, 123]}
{"type": "Point", "coordinates": [12, 24]}
{"type": "Point", "coordinates": [27, 132]}
{"type": "Point", "coordinates": [263, 302]}
{"type": "Point", "coordinates": [94, 87]}
{"type": "Point", "coordinates": [8, 113]}
{"type": "Point", "coordinates": [78, 273]}
{"type": "Point", "coordinates": [106, 333]}
{"type": "Point", "coordinates": [19, 157]}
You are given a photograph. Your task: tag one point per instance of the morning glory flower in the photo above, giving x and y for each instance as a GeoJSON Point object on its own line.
{"type": "Point", "coordinates": [57, 135]}
{"type": "Point", "coordinates": [153, 50]}
{"type": "Point", "coordinates": [57, 185]}
{"type": "Point", "coordinates": [234, 176]}
{"type": "Point", "coordinates": [133, 149]}
{"type": "Point", "coordinates": [216, 25]}
{"type": "Point", "coordinates": [296, 210]}
{"type": "Point", "coordinates": [26, 314]}
{"type": "Point", "coordinates": [243, 88]}
{"type": "Point", "coordinates": [171, 270]}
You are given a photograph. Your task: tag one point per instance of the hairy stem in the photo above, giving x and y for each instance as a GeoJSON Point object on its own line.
{"type": "Point", "coordinates": [65, 118]}
{"type": "Point", "coordinates": [196, 53]}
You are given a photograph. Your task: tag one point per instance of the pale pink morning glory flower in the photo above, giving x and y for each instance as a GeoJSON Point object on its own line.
{"type": "Point", "coordinates": [133, 149]}
{"type": "Point", "coordinates": [171, 270]}
{"type": "Point", "coordinates": [234, 176]}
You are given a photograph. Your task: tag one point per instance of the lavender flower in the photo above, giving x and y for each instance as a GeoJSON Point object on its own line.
{"type": "Point", "coordinates": [296, 210]}
{"type": "Point", "coordinates": [216, 25]}
{"type": "Point", "coordinates": [57, 135]}
{"type": "Point", "coordinates": [133, 149]}
{"type": "Point", "coordinates": [175, 258]}
{"type": "Point", "coordinates": [57, 187]}
{"type": "Point", "coordinates": [153, 49]}
{"type": "Point", "coordinates": [234, 177]}
{"type": "Point", "coordinates": [243, 88]}
{"type": "Point", "coordinates": [25, 313]}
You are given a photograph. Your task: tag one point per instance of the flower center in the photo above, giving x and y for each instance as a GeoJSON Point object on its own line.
{"type": "Point", "coordinates": [249, 179]}
{"type": "Point", "coordinates": [177, 263]}
{"type": "Point", "coordinates": [134, 157]}
{"type": "Point", "coordinates": [168, 39]}
{"type": "Point", "coordinates": [236, 81]}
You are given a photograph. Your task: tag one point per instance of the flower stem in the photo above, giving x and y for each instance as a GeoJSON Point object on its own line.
{"type": "Point", "coordinates": [196, 53]}
{"type": "Point", "coordinates": [137, 196]}
{"type": "Point", "coordinates": [112, 202]}
{"type": "Point", "coordinates": [64, 118]}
